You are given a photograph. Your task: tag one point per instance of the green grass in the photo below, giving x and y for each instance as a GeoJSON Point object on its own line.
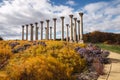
{"type": "Point", "coordinates": [113, 48]}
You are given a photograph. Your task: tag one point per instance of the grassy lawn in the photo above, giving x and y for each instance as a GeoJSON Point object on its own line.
{"type": "Point", "coordinates": [113, 48]}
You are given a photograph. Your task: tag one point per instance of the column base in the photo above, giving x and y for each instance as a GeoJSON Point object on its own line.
{"type": "Point", "coordinates": [71, 41]}
{"type": "Point", "coordinates": [75, 41]}
{"type": "Point", "coordinates": [80, 41]}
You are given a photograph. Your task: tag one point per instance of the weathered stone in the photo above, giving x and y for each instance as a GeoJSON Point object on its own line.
{"type": "Point", "coordinates": [51, 33]}
{"type": "Point", "coordinates": [32, 32]}
{"type": "Point", "coordinates": [54, 19]}
{"type": "Point", "coordinates": [71, 28]}
{"type": "Point", "coordinates": [41, 29]}
{"type": "Point", "coordinates": [78, 21]}
{"type": "Point", "coordinates": [36, 33]}
{"type": "Point", "coordinates": [22, 32]}
{"type": "Point", "coordinates": [27, 46]}
{"type": "Point", "coordinates": [75, 32]}
{"type": "Point", "coordinates": [67, 38]}
{"type": "Point", "coordinates": [13, 44]}
{"type": "Point", "coordinates": [62, 18]}
{"type": "Point", "coordinates": [18, 49]}
{"type": "Point", "coordinates": [81, 27]}
{"type": "Point", "coordinates": [47, 35]}
{"type": "Point", "coordinates": [27, 32]}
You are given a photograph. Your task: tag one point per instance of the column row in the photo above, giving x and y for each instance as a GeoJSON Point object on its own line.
{"type": "Point", "coordinates": [76, 31]}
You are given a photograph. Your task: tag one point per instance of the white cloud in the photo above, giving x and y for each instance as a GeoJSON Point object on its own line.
{"type": "Point", "coordinates": [71, 2]}
{"type": "Point", "coordinates": [102, 16]}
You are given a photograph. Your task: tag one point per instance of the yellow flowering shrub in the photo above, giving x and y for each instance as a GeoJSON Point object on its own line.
{"type": "Point", "coordinates": [56, 61]}
{"type": "Point", "coordinates": [38, 68]}
{"type": "Point", "coordinates": [5, 51]}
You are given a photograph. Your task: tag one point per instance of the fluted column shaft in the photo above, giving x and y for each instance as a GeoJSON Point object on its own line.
{"type": "Point", "coordinates": [54, 19]}
{"type": "Point", "coordinates": [67, 39]}
{"type": "Point", "coordinates": [78, 21]}
{"type": "Point", "coordinates": [81, 26]}
{"type": "Point", "coordinates": [75, 39]}
{"type": "Point", "coordinates": [62, 18]}
{"type": "Point", "coordinates": [31, 32]}
{"type": "Point", "coordinates": [23, 32]}
{"type": "Point", "coordinates": [26, 32]}
{"type": "Point", "coordinates": [47, 29]}
{"type": "Point", "coordinates": [51, 33]}
{"type": "Point", "coordinates": [36, 33]}
{"type": "Point", "coordinates": [41, 29]}
{"type": "Point", "coordinates": [71, 28]}
{"type": "Point", "coordinates": [46, 33]}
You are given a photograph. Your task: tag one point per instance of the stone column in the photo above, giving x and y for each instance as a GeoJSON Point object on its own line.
{"type": "Point", "coordinates": [46, 33]}
{"type": "Point", "coordinates": [62, 18]}
{"type": "Point", "coordinates": [22, 32]}
{"type": "Point", "coordinates": [75, 35]}
{"type": "Point", "coordinates": [31, 32]}
{"type": "Point", "coordinates": [54, 19]}
{"type": "Point", "coordinates": [51, 33]}
{"type": "Point", "coordinates": [67, 38]}
{"type": "Point", "coordinates": [78, 21]}
{"type": "Point", "coordinates": [41, 29]}
{"type": "Point", "coordinates": [81, 27]}
{"type": "Point", "coordinates": [36, 33]}
{"type": "Point", "coordinates": [47, 29]}
{"type": "Point", "coordinates": [71, 28]}
{"type": "Point", "coordinates": [27, 32]}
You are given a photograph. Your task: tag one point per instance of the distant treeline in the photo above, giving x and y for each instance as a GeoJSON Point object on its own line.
{"type": "Point", "coordinates": [102, 37]}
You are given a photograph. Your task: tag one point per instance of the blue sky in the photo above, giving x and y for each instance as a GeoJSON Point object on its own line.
{"type": "Point", "coordinates": [79, 3]}
{"type": "Point", "coordinates": [102, 15]}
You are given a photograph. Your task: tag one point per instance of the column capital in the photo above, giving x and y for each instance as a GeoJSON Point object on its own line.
{"type": "Point", "coordinates": [78, 21]}
{"type": "Point", "coordinates": [47, 20]}
{"type": "Point", "coordinates": [62, 17]}
{"type": "Point", "coordinates": [41, 22]}
{"type": "Point", "coordinates": [31, 25]}
{"type": "Point", "coordinates": [81, 14]}
{"type": "Point", "coordinates": [36, 23]}
{"type": "Point", "coordinates": [71, 16]}
{"type": "Point", "coordinates": [22, 26]}
{"type": "Point", "coordinates": [50, 27]}
{"type": "Point", "coordinates": [54, 19]}
{"type": "Point", "coordinates": [67, 25]}
{"type": "Point", "coordinates": [27, 25]}
{"type": "Point", "coordinates": [75, 19]}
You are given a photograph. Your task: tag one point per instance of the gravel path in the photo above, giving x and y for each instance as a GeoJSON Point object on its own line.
{"type": "Point", "coordinates": [112, 70]}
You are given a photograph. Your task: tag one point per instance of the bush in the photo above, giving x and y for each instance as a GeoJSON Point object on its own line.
{"type": "Point", "coordinates": [102, 37]}
{"type": "Point", "coordinates": [49, 60]}
{"type": "Point", "coordinates": [94, 57]}
{"type": "Point", "coordinates": [38, 68]}
{"type": "Point", "coordinates": [5, 52]}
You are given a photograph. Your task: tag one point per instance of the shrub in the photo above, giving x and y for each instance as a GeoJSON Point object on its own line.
{"type": "Point", "coordinates": [69, 57]}
{"type": "Point", "coordinates": [38, 68]}
{"type": "Point", "coordinates": [5, 53]}
{"type": "Point", "coordinates": [46, 60]}
{"type": "Point", "coordinates": [98, 66]}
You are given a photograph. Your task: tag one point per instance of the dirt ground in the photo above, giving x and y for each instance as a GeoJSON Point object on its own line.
{"type": "Point", "coordinates": [112, 70]}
